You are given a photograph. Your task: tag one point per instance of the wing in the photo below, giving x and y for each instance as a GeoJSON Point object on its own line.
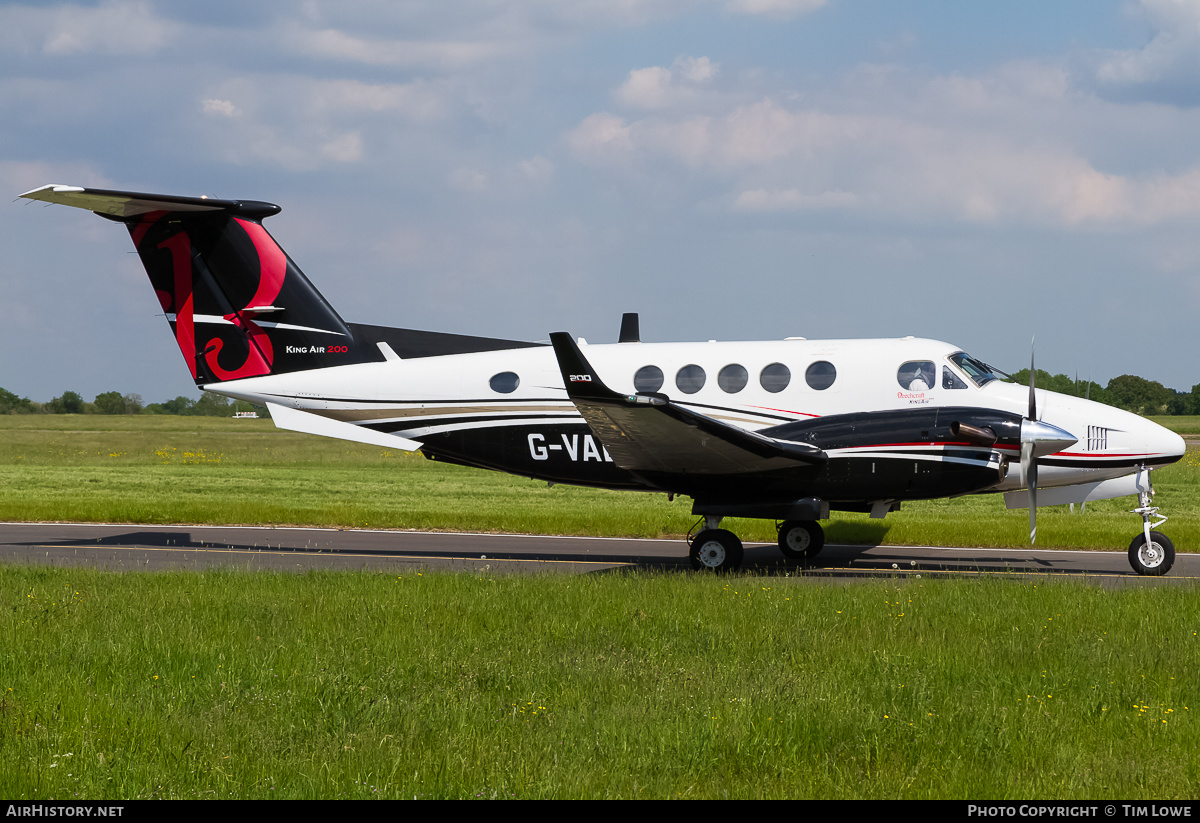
{"type": "Point", "coordinates": [648, 432]}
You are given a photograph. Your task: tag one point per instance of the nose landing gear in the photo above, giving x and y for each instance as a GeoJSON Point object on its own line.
{"type": "Point", "coordinates": [1151, 553]}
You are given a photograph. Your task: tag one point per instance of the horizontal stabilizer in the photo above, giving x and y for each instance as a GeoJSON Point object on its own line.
{"type": "Point", "coordinates": [309, 423]}
{"type": "Point", "coordinates": [126, 204]}
{"type": "Point", "coordinates": [648, 432]}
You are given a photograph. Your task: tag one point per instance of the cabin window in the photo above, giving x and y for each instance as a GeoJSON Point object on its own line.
{"type": "Point", "coordinates": [820, 375]}
{"type": "Point", "coordinates": [647, 379]}
{"type": "Point", "coordinates": [917, 375]}
{"type": "Point", "coordinates": [950, 380]}
{"type": "Point", "coordinates": [690, 379]}
{"type": "Point", "coordinates": [775, 377]}
{"type": "Point", "coordinates": [505, 382]}
{"type": "Point", "coordinates": [733, 378]}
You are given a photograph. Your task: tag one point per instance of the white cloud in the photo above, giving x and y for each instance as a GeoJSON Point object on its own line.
{"type": "Point", "coordinates": [657, 87]}
{"type": "Point", "coordinates": [911, 164]}
{"type": "Point", "coordinates": [221, 108]}
{"type": "Point", "coordinates": [600, 134]}
{"type": "Point", "coordinates": [333, 44]}
{"type": "Point", "coordinates": [1167, 66]}
{"type": "Point", "coordinates": [302, 123]}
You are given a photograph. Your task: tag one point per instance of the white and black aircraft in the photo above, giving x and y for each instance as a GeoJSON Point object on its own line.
{"type": "Point", "coordinates": [785, 430]}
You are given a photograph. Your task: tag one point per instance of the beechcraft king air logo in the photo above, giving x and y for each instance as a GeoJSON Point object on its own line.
{"type": "Point", "coordinates": [179, 294]}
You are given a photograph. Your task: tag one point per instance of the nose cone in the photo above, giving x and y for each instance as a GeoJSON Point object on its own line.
{"type": "Point", "coordinates": [1153, 444]}
{"type": "Point", "coordinates": [1166, 442]}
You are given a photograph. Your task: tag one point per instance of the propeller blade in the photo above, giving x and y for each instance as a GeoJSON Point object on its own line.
{"type": "Point", "coordinates": [1032, 374]}
{"type": "Point", "coordinates": [1038, 439]}
{"type": "Point", "coordinates": [1029, 472]}
{"type": "Point", "coordinates": [1029, 448]}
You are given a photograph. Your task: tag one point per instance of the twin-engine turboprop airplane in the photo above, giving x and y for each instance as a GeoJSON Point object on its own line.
{"type": "Point", "coordinates": [784, 430]}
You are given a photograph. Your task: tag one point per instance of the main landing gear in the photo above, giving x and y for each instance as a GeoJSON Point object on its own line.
{"type": "Point", "coordinates": [1151, 553]}
{"type": "Point", "coordinates": [719, 550]}
{"type": "Point", "coordinates": [801, 539]}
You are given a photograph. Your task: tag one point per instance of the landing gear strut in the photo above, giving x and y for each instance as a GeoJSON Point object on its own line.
{"type": "Point", "coordinates": [1151, 553]}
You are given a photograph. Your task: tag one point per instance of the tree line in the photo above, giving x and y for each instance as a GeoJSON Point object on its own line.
{"type": "Point", "coordinates": [113, 402]}
{"type": "Point", "coordinates": [1129, 392]}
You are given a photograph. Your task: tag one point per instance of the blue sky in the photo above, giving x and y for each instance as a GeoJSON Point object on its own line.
{"type": "Point", "coordinates": [731, 169]}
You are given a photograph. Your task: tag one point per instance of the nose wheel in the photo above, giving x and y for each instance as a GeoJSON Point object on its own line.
{"type": "Point", "coordinates": [1151, 553]}
{"type": "Point", "coordinates": [1153, 556]}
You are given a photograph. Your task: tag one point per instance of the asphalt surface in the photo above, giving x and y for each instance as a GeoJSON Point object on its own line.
{"type": "Point", "coordinates": [156, 548]}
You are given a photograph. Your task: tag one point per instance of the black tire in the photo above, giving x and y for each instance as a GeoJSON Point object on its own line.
{"type": "Point", "coordinates": [1154, 559]}
{"type": "Point", "coordinates": [800, 539]}
{"type": "Point", "coordinates": [716, 550]}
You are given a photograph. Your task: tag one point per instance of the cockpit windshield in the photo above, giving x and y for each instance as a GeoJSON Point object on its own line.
{"type": "Point", "coordinates": [979, 372]}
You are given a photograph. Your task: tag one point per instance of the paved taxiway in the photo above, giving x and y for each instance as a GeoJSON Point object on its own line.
{"type": "Point", "coordinates": [135, 547]}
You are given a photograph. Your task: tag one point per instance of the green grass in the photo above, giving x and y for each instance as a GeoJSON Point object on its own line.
{"type": "Point", "coordinates": [1185, 424]}
{"type": "Point", "coordinates": [330, 685]}
{"type": "Point", "coordinates": [142, 469]}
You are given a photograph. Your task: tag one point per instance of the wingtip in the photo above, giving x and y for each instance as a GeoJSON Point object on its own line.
{"type": "Point", "coordinates": [56, 188]}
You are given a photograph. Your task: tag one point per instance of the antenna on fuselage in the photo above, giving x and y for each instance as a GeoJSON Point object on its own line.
{"type": "Point", "coordinates": [630, 331]}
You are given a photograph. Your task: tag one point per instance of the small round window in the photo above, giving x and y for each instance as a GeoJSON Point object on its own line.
{"type": "Point", "coordinates": [733, 378]}
{"type": "Point", "coordinates": [820, 375]}
{"type": "Point", "coordinates": [648, 378]}
{"type": "Point", "coordinates": [505, 382]}
{"type": "Point", "coordinates": [775, 377]}
{"type": "Point", "coordinates": [690, 379]}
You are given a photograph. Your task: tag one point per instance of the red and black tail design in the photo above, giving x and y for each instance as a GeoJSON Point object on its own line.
{"type": "Point", "coordinates": [239, 307]}
{"type": "Point", "coordinates": [237, 304]}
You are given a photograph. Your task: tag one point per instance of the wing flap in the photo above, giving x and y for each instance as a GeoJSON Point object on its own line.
{"type": "Point", "coordinates": [648, 432]}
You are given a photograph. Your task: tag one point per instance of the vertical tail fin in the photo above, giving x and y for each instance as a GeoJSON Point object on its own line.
{"type": "Point", "coordinates": [237, 304]}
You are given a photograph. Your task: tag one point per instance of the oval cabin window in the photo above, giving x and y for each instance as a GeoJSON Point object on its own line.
{"type": "Point", "coordinates": [820, 375]}
{"type": "Point", "coordinates": [648, 379]}
{"type": "Point", "coordinates": [505, 382]}
{"type": "Point", "coordinates": [733, 378]}
{"type": "Point", "coordinates": [690, 379]}
{"type": "Point", "coordinates": [775, 377]}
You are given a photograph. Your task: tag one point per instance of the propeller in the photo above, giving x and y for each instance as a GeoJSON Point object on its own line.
{"type": "Point", "coordinates": [1038, 439]}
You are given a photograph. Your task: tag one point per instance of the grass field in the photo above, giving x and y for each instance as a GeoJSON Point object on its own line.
{"type": "Point", "coordinates": [343, 685]}
{"type": "Point", "coordinates": [142, 469]}
{"type": "Point", "coordinates": [616, 685]}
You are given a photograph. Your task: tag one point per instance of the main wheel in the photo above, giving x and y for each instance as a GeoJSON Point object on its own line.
{"type": "Point", "coordinates": [716, 550]}
{"type": "Point", "coordinates": [799, 539]}
{"type": "Point", "coordinates": [1154, 558]}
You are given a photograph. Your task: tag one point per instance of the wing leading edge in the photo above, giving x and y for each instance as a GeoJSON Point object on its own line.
{"type": "Point", "coordinates": [650, 433]}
